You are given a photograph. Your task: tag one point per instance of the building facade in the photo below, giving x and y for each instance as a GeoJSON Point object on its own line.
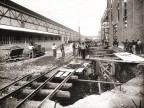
{"type": "Point", "coordinates": [123, 19]}
{"type": "Point", "coordinates": [19, 25]}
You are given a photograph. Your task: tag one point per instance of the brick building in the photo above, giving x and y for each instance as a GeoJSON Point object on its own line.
{"type": "Point", "coordinates": [123, 19]}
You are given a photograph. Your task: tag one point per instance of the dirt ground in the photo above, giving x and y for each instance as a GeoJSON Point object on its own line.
{"type": "Point", "coordinates": [9, 72]}
{"type": "Point", "coordinates": [13, 71]}
{"type": "Point", "coordinates": [130, 96]}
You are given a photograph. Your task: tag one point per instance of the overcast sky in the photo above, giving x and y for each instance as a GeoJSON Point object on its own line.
{"type": "Point", "coordinates": [85, 14]}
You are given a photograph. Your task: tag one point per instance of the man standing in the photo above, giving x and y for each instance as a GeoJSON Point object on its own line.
{"type": "Point", "coordinates": [115, 43]}
{"type": "Point", "coordinates": [127, 46]}
{"type": "Point", "coordinates": [62, 51]}
{"type": "Point", "coordinates": [139, 47]}
{"type": "Point", "coordinates": [73, 48]}
{"type": "Point", "coordinates": [133, 43]}
{"type": "Point", "coordinates": [31, 50]}
{"type": "Point", "coordinates": [54, 48]}
{"type": "Point", "coordinates": [79, 49]}
{"type": "Point", "coordinates": [87, 49]}
{"type": "Point", "coordinates": [83, 50]}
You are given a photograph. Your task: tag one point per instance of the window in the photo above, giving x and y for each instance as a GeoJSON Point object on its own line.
{"type": "Point", "coordinates": [125, 13]}
{"type": "Point", "coordinates": [118, 11]}
{"type": "Point", "coordinates": [125, 9]}
{"type": "Point", "coordinates": [51, 38]}
{"type": "Point", "coordinates": [111, 14]}
{"type": "Point", "coordinates": [114, 30]}
{"type": "Point", "coordinates": [46, 38]}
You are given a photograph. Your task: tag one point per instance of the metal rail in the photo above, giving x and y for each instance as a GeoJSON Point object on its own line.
{"type": "Point", "coordinates": [35, 91]}
{"type": "Point", "coordinates": [8, 95]}
{"type": "Point", "coordinates": [43, 84]}
{"type": "Point", "coordinates": [68, 55]}
{"type": "Point", "coordinates": [57, 88]}
{"type": "Point", "coordinates": [15, 82]}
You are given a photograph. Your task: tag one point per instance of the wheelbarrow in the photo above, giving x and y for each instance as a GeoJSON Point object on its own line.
{"type": "Point", "coordinates": [15, 54]}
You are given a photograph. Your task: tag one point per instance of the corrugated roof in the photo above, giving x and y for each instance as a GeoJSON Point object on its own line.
{"type": "Point", "coordinates": [5, 27]}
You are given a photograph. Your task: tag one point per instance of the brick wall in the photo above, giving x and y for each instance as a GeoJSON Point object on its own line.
{"type": "Point", "coordinates": [135, 20]}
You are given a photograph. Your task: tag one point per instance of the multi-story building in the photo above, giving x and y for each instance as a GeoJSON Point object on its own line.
{"type": "Point", "coordinates": [123, 19]}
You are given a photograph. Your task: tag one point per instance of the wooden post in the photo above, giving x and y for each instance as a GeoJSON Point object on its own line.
{"type": "Point", "coordinates": [99, 86]}
{"type": "Point", "coordinates": [94, 81]}
{"type": "Point", "coordinates": [120, 87]}
{"type": "Point", "coordinates": [113, 69]}
{"type": "Point", "coordinates": [49, 85]}
{"type": "Point", "coordinates": [42, 92]}
{"type": "Point", "coordinates": [55, 104]}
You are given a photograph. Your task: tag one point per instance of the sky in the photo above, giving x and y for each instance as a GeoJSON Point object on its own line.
{"type": "Point", "coordinates": [73, 14]}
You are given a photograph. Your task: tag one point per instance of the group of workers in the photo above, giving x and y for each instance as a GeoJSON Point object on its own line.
{"type": "Point", "coordinates": [81, 48]}
{"type": "Point", "coordinates": [134, 47]}
{"type": "Point", "coordinates": [54, 48]}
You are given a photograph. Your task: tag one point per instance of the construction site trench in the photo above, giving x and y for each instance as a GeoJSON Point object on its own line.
{"type": "Point", "coordinates": [80, 88]}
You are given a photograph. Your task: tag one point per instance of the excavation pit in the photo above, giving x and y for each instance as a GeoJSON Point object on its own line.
{"type": "Point", "coordinates": [80, 90]}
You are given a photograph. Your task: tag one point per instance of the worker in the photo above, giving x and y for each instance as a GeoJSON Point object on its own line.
{"type": "Point", "coordinates": [73, 46]}
{"type": "Point", "coordinates": [79, 49]}
{"type": "Point", "coordinates": [83, 50]}
{"type": "Point", "coordinates": [87, 49]}
{"type": "Point", "coordinates": [138, 47]}
{"type": "Point", "coordinates": [127, 46]}
{"type": "Point", "coordinates": [54, 48]}
{"type": "Point", "coordinates": [31, 50]}
{"type": "Point", "coordinates": [62, 51]}
{"type": "Point", "coordinates": [115, 43]}
{"type": "Point", "coordinates": [133, 43]}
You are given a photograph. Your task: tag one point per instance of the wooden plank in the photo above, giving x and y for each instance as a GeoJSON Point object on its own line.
{"type": "Point", "coordinates": [129, 57]}
{"type": "Point", "coordinates": [59, 74]}
{"type": "Point", "coordinates": [94, 81]}
{"type": "Point", "coordinates": [56, 89]}
{"type": "Point", "coordinates": [108, 60]}
{"type": "Point", "coordinates": [110, 79]}
{"type": "Point", "coordinates": [66, 70]}
{"type": "Point", "coordinates": [99, 86]}
{"type": "Point", "coordinates": [103, 55]}
{"type": "Point", "coordinates": [49, 85]}
{"type": "Point", "coordinates": [105, 70]}
{"type": "Point", "coordinates": [97, 49]}
{"type": "Point", "coordinates": [86, 64]}
{"type": "Point", "coordinates": [44, 93]}
{"type": "Point", "coordinates": [79, 70]}
{"type": "Point", "coordinates": [65, 74]}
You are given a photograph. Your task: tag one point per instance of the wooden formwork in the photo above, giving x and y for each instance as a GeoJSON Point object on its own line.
{"type": "Point", "coordinates": [107, 71]}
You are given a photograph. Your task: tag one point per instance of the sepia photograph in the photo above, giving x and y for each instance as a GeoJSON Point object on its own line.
{"type": "Point", "coordinates": [71, 53]}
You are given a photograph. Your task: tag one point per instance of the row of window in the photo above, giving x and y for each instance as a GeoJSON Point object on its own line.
{"type": "Point", "coordinates": [15, 40]}
{"type": "Point", "coordinates": [118, 12]}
